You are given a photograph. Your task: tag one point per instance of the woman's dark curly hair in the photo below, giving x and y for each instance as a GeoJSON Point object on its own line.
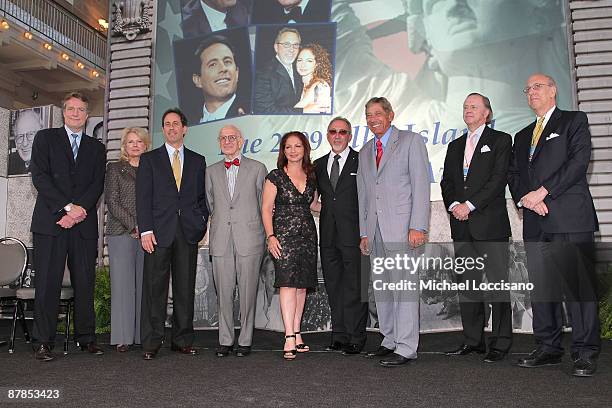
{"type": "Point", "coordinates": [323, 68]}
{"type": "Point", "coordinates": [282, 161]}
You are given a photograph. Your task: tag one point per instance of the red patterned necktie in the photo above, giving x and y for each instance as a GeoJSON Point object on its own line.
{"type": "Point", "coordinates": [379, 152]}
{"type": "Point", "coordinates": [235, 162]}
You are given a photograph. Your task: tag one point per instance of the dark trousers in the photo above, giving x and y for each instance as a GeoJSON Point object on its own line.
{"type": "Point", "coordinates": [561, 268]}
{"type": "Point", "coordinates": [50, 256]}
{"type": "Point", "coordinates": [473, 303]}
{"type": "Point", "coordinates": [342, 273]}
{"type": "Point", "coordinates": [180, 259]}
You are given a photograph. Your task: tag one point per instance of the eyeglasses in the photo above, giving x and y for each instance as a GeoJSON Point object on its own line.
{"type": "Point", "coordinates": [21, 137]}
{"type": "Point", "coordinates": [288, 45]}
{"type": "Point", "coordinates": [342, 132]}
{"type": "Point", "coordinates": [535, 87]}
{"type": "Point", "coordinates": [228, 138]}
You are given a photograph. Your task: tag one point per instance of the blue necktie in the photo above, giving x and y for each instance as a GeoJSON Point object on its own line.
{"type": "Point", "coordinates": [74, 145]}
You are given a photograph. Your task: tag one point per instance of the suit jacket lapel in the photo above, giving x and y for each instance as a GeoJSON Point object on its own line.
{"type": "Point", "coordinates": [167, 166]}
{"type": "Point", "coordinates": [484, 137]}
{"type": "Point", "coordinates": [323, 172]}
{"type": "Point", "coordinates": [390, 148]}
{"type": "Point", "coordinates": [348, 164]}
{"type": "Point", "coordinates": [63, 135]}
{"type": "Point", "coordinates": [460, 155]}
{"type": "Point", "coordinates": [552, 124]}
{"type": "Point", "coordinates": [83, 152]}
{"type": "Point", "coordinates": [243, 171]}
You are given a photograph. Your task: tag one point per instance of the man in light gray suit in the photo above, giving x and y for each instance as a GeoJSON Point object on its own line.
{"type": "Point", "coordinates": [393, 188]}
{"type": "Point", "coordinates": [237, 239]}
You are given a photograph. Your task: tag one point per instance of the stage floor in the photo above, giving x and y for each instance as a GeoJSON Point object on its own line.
{"type": "Point", "coordinates": [317, 378]}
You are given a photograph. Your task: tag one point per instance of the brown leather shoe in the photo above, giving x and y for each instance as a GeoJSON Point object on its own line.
{"type": "Point", "coordinates": [43, 353]}
{"type": "Point", "coordinates": [185, 350]}
{"type": "Point", "coordinates": [93, 348]}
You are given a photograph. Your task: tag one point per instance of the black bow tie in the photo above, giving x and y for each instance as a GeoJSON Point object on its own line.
{"type": "Point", "coordinates": [295, 14]}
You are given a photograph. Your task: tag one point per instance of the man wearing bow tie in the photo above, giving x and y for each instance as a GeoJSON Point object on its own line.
{"type": "Point", "coordinates": [548, 179]}
{"type": "Point", "coordinates": [237, 240]}
{"type": "Point", "coordinates": [290, 11]}
{"type": "Point", "coordinates": [205, 16]}
{"type": "Point", "coordinates": [473, 187]}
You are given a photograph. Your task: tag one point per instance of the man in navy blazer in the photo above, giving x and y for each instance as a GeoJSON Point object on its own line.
{"type": "Point", "coordinates": [172, 216]}
{"type": "Point", "coordinates": [473, 188]}
{"type": "Point", "coordinates": [548, 179]}
{"type": "Point", "coordinates": [68, 173]}
{"type": "Point", "coordinates": [278, 87]}
{"type": "Point", "coordinates": [201, 17]}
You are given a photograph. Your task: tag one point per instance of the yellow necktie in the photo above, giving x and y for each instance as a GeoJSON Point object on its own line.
{"type": "Point", "coordinates": [176, 168]}
{"type": "Point", "coordinates": [537, 132]}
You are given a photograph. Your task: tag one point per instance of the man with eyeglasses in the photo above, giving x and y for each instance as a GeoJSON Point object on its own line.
{"type": "Point", "coordinates": [548, 179]}
{"type": "Point", "coordinates": [234, 188]}
{"type": "Point", "coordinates": [278, 87]}
{"type": "Point", "coordinates": [68, 173]}
{"type": "Point", "coordinates": [339, 239]}
{"type": "Point", "coordinates": [24, 130]}
{"type": "Point", "coordinates": [172, 215]}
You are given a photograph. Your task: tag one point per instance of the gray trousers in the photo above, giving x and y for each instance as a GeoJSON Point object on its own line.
{"type": "Point", "coordinates": [398, 313]}
{"type": "Point", "coordinates": [125, 257]}
{"type": "Point", "coordinates": [227, 271]}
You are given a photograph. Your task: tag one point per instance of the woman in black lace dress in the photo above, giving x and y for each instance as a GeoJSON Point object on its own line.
{"type": "Point", "coordinates": [289, 193]}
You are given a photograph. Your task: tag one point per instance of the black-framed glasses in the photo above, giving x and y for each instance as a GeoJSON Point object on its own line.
{"type": "Point", "coordinates": [535, 87]}
{"type": "Point", "coordinates": [341, 132]}
{"type": "Point", "coordinates": [287, 45]}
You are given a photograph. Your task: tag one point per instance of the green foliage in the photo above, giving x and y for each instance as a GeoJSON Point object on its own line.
{"type": "Point", "coordinates": [102, 300]}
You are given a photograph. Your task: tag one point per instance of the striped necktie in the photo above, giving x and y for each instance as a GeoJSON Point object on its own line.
{"type": "Point", "coordinates": [74, 146]}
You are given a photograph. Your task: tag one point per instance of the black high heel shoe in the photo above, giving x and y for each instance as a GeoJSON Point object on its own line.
{"type": "Point", "coordinates": [289, 354]}
{"type": "Point", "coordinates": [301, 348]}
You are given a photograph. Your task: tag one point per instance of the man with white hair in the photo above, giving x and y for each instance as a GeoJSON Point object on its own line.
{"type": "Point", "coordinates": [234, 188]}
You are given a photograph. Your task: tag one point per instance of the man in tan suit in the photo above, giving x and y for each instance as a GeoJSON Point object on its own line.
{"type": "Point", "coordinates": [237, 240]}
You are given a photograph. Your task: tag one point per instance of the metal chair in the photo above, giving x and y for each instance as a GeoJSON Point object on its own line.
{"type": "Point", "coordinates": [14, 255]}
{"type": "Point", "coordinates": [28, 294]}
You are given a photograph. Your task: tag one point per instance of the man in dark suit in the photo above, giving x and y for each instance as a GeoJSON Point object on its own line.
{"type": "Point", "coordinates": [172, 216]}
{"type": "Point", "coordinates": [205, 16]}
{"type": "Point", "coordinates": [548, 179]}
{"type": "Point", "coordinates": [68, 173]}
{"type": "Point", "coordinates": [339, 239]}
{"type": "Point", "coordinates": [278, 87]}
{"type": "Point", "coordinates": [290, 11]}
{"type": "Point", "coordinates": [217, 77]}
{"type": "Point", "coordinates": [473, 186]}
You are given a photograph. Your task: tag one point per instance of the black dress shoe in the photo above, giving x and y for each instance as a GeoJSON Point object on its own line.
{"type": "Point", "coordinates": [190, 350]}
{"type": "Point", "coordinates": [464, 350]}
{"type": "Point", "coordinates": [380, 352]}
{"type": "Point", "coordinates": [494, 355]}
{"type": "Point", "coordinates": [351, 349]}
{"type": "Point", "coordinates": [149, 355]}
{"type": "Point", "coordinates": [223, 351]}
{"type": "Point", "coordinates": [335, 346]}
{"type": "Point", "coordinates": [539, 358]}
{"type": "Point", "coordinates": [394, 360]}
{"type": "Point", "coordinates": [243, 351]}
{"type": "Point", "coordinates": [584, 367]}
{"type": "Point", "coordinates": [93, 348]}
{"type": "Point", "coordinates": [43, 353]}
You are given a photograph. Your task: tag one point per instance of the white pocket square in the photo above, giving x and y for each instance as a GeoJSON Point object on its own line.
{"type": "Point", "coordinates": [353, 174]}
{"type": "Point", "coordinates": [485, 149]}
{"type": "Point", "coordinates": [552, 136]}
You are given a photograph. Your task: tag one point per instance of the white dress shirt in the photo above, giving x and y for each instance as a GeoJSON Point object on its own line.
{"type": "Point", "coordinates": [220, 113]}
{"type": "Point", "coordinates": [476, 134]}
{"type": "Point", "coordinates": [341, 161]}
{"type": "Point", "coordinates": [216, 18]}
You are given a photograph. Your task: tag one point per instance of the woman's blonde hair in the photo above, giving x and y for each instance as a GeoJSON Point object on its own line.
{"type": "Point", "coordinates": [141, 133]}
